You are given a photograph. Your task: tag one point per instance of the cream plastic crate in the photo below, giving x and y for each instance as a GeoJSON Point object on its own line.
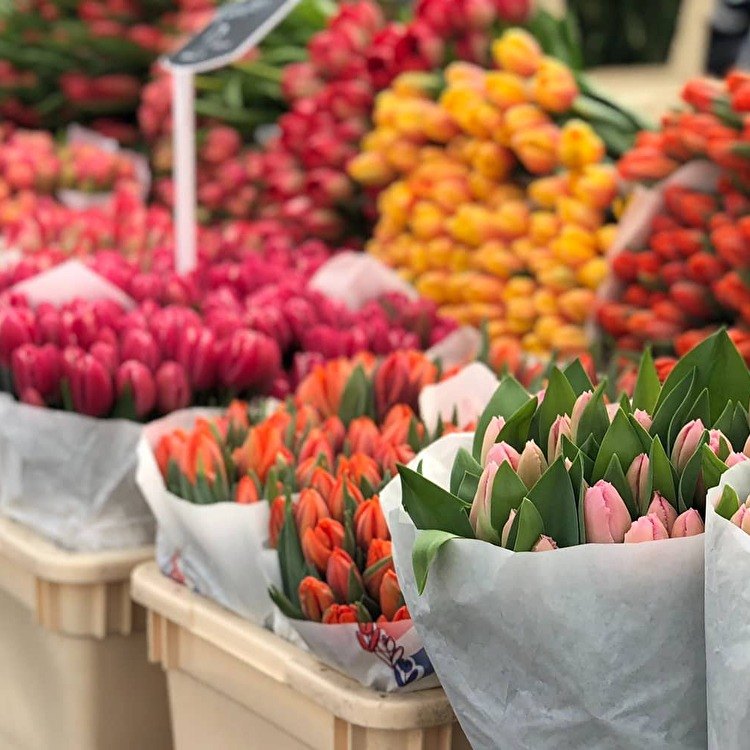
{"type": "Point", "coordinates": [651, 90]}
{"type": "Point", "coordinates": [233, 685]}
{"type": "Point", "coordinates": [72, 672]}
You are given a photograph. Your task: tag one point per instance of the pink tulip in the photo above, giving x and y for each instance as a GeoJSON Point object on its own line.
{"type": "Point", "coordinates": [32, 397]}
{"type": "Point", "coordinates": [643, 418]}
{"type": "Point", "coordinates": [662, 508]}
{"type": "Point", "coordinates": [637, 477]}
{"type": "Point", "coordinates": [687, 443]}
{"type": "Point", "coordinates": [560, 428]}
{"type": "Point", "coordinates": [500, 452]}
{"type": "Point", "coordinates": [16, 328]}
{"type": "Point", "coordinates": [134, 379]}
{"type": "Point", "coordinates": [735, 458]}
{"type": "Point", "coordinates": [248, 360]}
{"type": "Point", "coordinates": [612, 410]}
{"type": "Point", "coordinates": [141, 346]}
{"type": "Point", "coordinates": [688, 523]}
{"type": "Point", "coordinates": [746, 447]}
{"type": "Point", "coordinates": [544, 544]}
{"type": "Point", "coordinates": [196, 352]}
{"type": "Point", "coordinates": [481, 507]}
{"type": "Point", "coordinates": [507, 527]}
{"type": "Point", "coordinates": [742, 517]}
{"type": "Point", "coordinates": [172, 388]}
{"type": "Point", "coordinates": [106, 354]}
{"type": "Point", "coordinates": [91, 387]}
{"type": "Point", "coordinates": [605, 514]}
{"type": "Point", "coordinates": [578, 408]}
{"type": "Point", "coordinates": [37, 368]}
{"type": "Point", "coordinates": [531, 464]}
{"type": "Point", "coordinates": [646, 529]}
{"type": "Point", "coordinates": [718, 442]}
{"type": "Point", "coordinates": [490, 435]}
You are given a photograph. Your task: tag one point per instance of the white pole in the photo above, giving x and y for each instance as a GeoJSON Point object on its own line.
{"type": "Point", "coordinates": [183, 135]}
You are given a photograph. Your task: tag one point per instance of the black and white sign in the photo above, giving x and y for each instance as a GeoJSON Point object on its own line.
{"type": "Point", "coordinates": [236, 28]}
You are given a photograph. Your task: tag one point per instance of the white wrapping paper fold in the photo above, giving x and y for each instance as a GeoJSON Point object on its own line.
{"type": "Point", "coordinates": [219, 550]}
{"type": "Point", "coordinates": [597, 646]}
{"type": "Point", "coordinates": [728, 620]}
{"type": "Point", "coordinates": [72, 478]}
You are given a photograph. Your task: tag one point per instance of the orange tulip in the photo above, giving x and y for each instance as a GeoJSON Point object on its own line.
{"type": "Point", "coordinates": [338, 614]}
{"type": "Point", "coordinates": [389, 456]}
{"type": "Point", "coordinates": [276, 520]}
{"type": "Point", "coordinates": [319, 543]}
{"type": "Point", "coordinates": [369, 523]}
{"type": "Point", "coordinates": [237, 416]}
{"type": "Point", "coordinates": [170, 448]}
{"type": "Point", "coordinates": [518, 52]}
{"type": "Point", "coordinates": [340, 572]}
{"type": "Point", "coordinates": [322, 481]}
{"type": "Point", "coordinates": [202, 455]}
{"type": "Point", "coordinates": [323, 387]}
{"type": "Point", "coordinates": [391, 598]}
{"type": "Point", "coordinates": [536, 148]}
{"type": "Point", "coordinates": [263, 447]}
{"type": "Point", "coordinates": [359, 466]}
{"type": "Point", "coordinates": [246, 491]}
{"type": "Point", "coordinates": [400, 379]}
{"type": "Point", "coordinates": [379, 549]}
{"type": "Point", "coordinates": [362, 435]}
{"type": "Point", "coordinates": [580, 146]}
{"type": "Point", "coordinates": [336, 498]}
{"type": "Point", "coordinates": [316, 446]}
{"type": "Point", "coordinates": [308, 510]}
{"type": "Point", "coordinates": [333, 429]}
{"type": "Point", "coordinates": [554, 86]}
{"type": "Point", "coordinates": [315, 597]}
{"type": "Point", "coordinates": [402, 613]}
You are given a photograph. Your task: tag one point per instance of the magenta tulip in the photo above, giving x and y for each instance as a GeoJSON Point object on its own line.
{"type": "Point", "coordinates": [91, 387]}
{"type": "Point", "coordinates": [248, 360]}
{"type": "Point", "coordinates": [16, 328]}
{"type": "Point", "coordinates": [107, 355]}
{"type": "Point", "coordinates": [134, 379]}
{"type": "Point", "coordinates": [605, 514]}
{"type": "Point", "coordinates": [172, 388]}
{"type": "Point", "coordinates": [139, 345]}
{"type": "Point", "coordinates": [197, 353]}
{"type": "Point", "coordinates": [37, 368]}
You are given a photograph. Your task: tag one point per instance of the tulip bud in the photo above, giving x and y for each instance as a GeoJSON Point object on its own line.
{"type": "Point", "coordinates": [38, 369]}
{"type": "Point", "coordinates": [500, 452]}
{"type": "Point", "coordinates": [544, 544]}
{"type": "Point", "coordinates": [643, 418]}
{"type": "Point", "coordinates": [718, 443]}
{"type": "Point", "coordinates": [248, 360]}
{"type": "Point", "coordinates": [663, 510]}
{"type": "Point", "coordinates": [518, 52]}
{"type": "Point", "coordinates": [531, 464]}
{"type": "Point", "coordinates": [141, 346]}
{"type": "Point", "coordinates": [735, 458]}
{"type": "Point", "coordinates": [742, 517]}
{"type": "Point", "coordinates": [246, 491]}
{"type": "Point", "coordinates": [90, 387]}
{"type": "Point", "coordinates": [612, 410]}
{"type": "Point", "coordinates": [560, 428]}
{"type": "Point", "coordinates": [16, 328]}
{"type": "Point", "coordinates": [554, 87]}
{"type": "Point", "coordinates": [380, 549]}
{"type": "Point", "coordinates": [315, 597]}
{"type": "Point", "coordinates": [338, 614]}
{"type": "Point", "coordinates": [605, 514]}
{"type": "Point", "coordinates": [507, 527]}
{"type": "Point", "coordinates": [276, 520]}
{"type": "Point", "coordinates": [746, 447]}
{"type": "Point", "coordinates": [401, 614]}
{"type": "Point", "coordinates": [336, 498]}
{"type": "Point", "coordinates": [319, 543]}
{"type": "Point", "coordinates": [687, 443]}
{"type": "Point", "coordinates": [196, 352]}
{"type": "Point", "coordinates": [308, 510]}
{"type": "Point", "coordinates": [391, 598]}
{"type": "Point", "coordinates": [578, 408]}
{"type": "Point", "coordinates": [369, 523]}
{"type": "Point", "coordinates": [637, 476]}
{"type": "Point", "coordinates": [134, 380]}
{"type": "Point", "coordinates": [688, 523]}
{"type": "Point", "coordinates": [362, 435]}
{"type": "Point", "coordinates": [172, 388]}
{"type": "Point", "coordinates": [481, 507]}
{"type": "Point", "coordinates": [646, 529]}
{"type": "Point", "coordinates": [339, 571]}
{"type": "Point", "coordinates": [490, 436]}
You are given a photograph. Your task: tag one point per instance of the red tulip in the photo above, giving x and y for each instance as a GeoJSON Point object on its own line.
{"type": "Point", "coordinates": [134, 380]}
{"type": "Point", "coordinates": [248, 360]}
{"type": "Point", "coordinates": [246, 491]}
{"type": "Point", "coordinates": [141, 346]}
{"type": "Point", "coordinates": [315, 597]}
{"type": "Point", "coordinates": [196, 352]}
{"type": "Point", "coordinates": [91, 386]}
{"type": "Point", "coordinates": [16, 328]}
{"type": "Point", "coordinates": [37, 368]}
{"type": "Point", "coordinates": [338, 614]}
{"type": "Point", "coordinates": [276, 520]}
{"type": "Point", "coordinates": [336, 498]}
{"type": "Point", "coordinates": [172, 388]}
{"type": "Point", "coordinates": [106, 354]}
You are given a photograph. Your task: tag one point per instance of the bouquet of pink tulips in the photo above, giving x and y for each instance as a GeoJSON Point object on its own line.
{"type": "Point", "coordinates": [595, 623]}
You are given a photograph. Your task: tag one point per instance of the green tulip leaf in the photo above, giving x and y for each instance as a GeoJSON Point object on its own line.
{"type": "Point", "coordinates": [616, 477]}
{"type": "Point", "coordinates": [577, 472]}
{"type": "Point", "coordinates": [625, 404]}
{"type": "Point", "coordinates": [508, 490]}
{"type": "Point", "coordinates": [467, 490]}
{"type": "Point", "coordinates": [509, 397]}
{"type": "Point", "coordinates": [647, 386]}
{"type": "Point", "coordinates": [357, 397]}
{"type": "Point", "coordinates": [291, 560]}
{"type": "Point", "coordinates": [729, 503]}
{"type": "Point", "coordinates": [558, 399]}
{"type": "Point", "coordinates": [660, 473]}
{"type": "Point", "coordinates": [292, 611]}
{"type": "Point", "coordinates": [426, 547]}
{"type": "Point", "coordinates": [740, 430]}
{"type": "Point", "coordinates": [699, 409]}
{"type": "Point", "coordinates": [529, 526]}
{"type": "Point", "coordinates": [664, 414]}
{"type": "Point", "coordinates": [578, 377]}
{"type": "Point", "coordinates": [516, 429]}
{"type": "Point", "coordinates": [724, 422]}
{"type": "Point", "coordinates": [555, 500]}
{"type": "Point", "coordinates": [621, 440]}
{"type": "Point", "coordinates": [464, 462]}
{"type": "Point", "coordinates": [432, 507]}
{"type": "Point", "coordinates": [642, 433]}
{"type": "Point", "coordinates": [689, 477]}
{"type": "Point", "coordinates": [569, 449]}
{"type": "Point", "coordinates": [581, 518]}
{"type": "Point", "coordinates": [712, 468]}
{"type": "Point", "coordinates": [719, 367]}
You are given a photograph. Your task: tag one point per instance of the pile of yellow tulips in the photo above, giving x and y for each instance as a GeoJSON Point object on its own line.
{"type": "Point", "coordinates": [492, 202]}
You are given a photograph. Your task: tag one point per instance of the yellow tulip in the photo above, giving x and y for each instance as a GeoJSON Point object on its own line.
{"type": "Point", "coordinates": [546, 328]}
{"type": "Point", "coordinates": [572, 211]}
{"type": "Point", "coordinates": [577, 304]}
{"type": "Point", "coordinates": [465, 73]}
{"type": "Point", "coordinates": [480, 287]}
{"type": "Point", "coordinates": [495, 258]}
{"type": "Point", "coordinates": [558, 278]}
{"type": "Point", "coordinates": [371, 168]}
{"type": "Point", "coordinates": [470, 224]}
{"type": "Point", "coordinates": [545, 302]}
{"type": "Point", "coordinates": [570, 339]}
{"type": "Point", "coordinates": [505, 89]}
{"type": "Point", "coordinates": [606, 236]}
{"type": "Point", "coordinates": [574, 245]}
{"type": "Point", "coordinates": [497, 328]}
{"type": "Point", "coordinates": [553, 86]}
{"type": "Point", "coordinates": [517, 51]}
{"type": "Point", "coordinates": [403, 156]}
{"type": "Point", "coordinates": [543, 226]}
{"type": "Point", "coordinates": [511, 219]}
{"type": "Point", "coordinates": [522, 117]}
{"type": "Point", "coordinates": [536, 148]}
{"type": "Point", "coordinates": [492, 161]}
{"type": "Point", "coordinates": [593, 273]}
{"type": "Point", "coordinates": [519, 287]}
{"type": "Point", "coordinates": [596, 185]}
{"type": "Point", "coordinates": [580, 146]}
{"type": "Point", "coordinates": [427, 220]}
{"type": "Point", "coordinates": [546, 191]}
{"type": "Point", "coordinates": [419, 258]}
{"type": "Point", "coordinates": [433, 285]}
{"type": "Point", "coordinates": [395, 203]}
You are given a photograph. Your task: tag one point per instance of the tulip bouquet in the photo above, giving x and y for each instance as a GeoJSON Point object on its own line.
{"type": "Point", "coordinates": [566, 473]}
{"type": "Point", "coordinates": [495, 197]}
{"type": "Point", "coordinates": [681, 273]}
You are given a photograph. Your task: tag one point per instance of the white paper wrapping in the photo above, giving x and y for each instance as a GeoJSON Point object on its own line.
{"type": "Point", "coordinates": [71, 478]}
{"type": "Point", "coordinates": [219, 550]}
{"type": "Point", "coordinates": [597, 646]}
{"type": "Point", "coordinates": [456, 348]}
{"type": "Point", "coordinates": [728, 620]}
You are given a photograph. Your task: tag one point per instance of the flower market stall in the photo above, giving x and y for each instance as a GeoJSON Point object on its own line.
{"type": "Point", "coordinates": [319, 321]}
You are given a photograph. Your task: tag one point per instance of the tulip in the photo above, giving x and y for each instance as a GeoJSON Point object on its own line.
{"type": "Point", "coordinates": [735, 458]}
{"type": "Point", "coordinates": [172, 388]}
{"type": "Point", "coordinates": [262, 450]}
{"type": "Point", "coordinates": [308, 510]}
{"type": "Point", "coordinates": [688, 523]}
{"type": "Point", "coordinates": [718, 442]}
{"type": "Point", "coordinates": [507, 527]}
{"type": "Point", "coordinates": [339, 614]}
{"type": "Point", "coordinates": [531, 464]}
{"type": "Point", "coordinates": [316, 446]}
{"type": "Point", "coordinates": [196, 352]}
{"type": "Point", "coordinates": [324, 386]}
{"type": "Point", "coordinates": [578, 408]}
{"type": "Point", "coordinates": [643, 418]}
{"type": "Point", "coordinates": [362, 435]}
{"type": "Point", "coordinates": [536, 148]}
{"type": "Point", "coordinates": [359, 467]}
{"type": "Point", "coordinates": [391, 598]}
{"type": "Point", "coordinates": [518, 52]}
{"type": "Point", "coordinates": [202, 456]}
{"type": "Point", "coordinates": [32, 397]}
{"type": "Point", "coordinates": [560, 428]}
{"type": "Point", "coordinates": [315, 597]}
{"type": "Point", "coordinates": [503, 452]}
{"type": "Point", "coordinates": [340, 572]}
{"type": "Point", "coordinates": [246, 491]}
{"type": "Point", "coordinates": [134, 380]}
{"type": "Point", "coordinates": [107, 354]}
{"type": "Point", "coordinates": [606, 517]}
{"type": "Point", "coordinates": [319, 543]}
{"type": "Point", "coordinates": [480, 515]}
{"type": "Point", "coordinates": [494, 428]}
{"type": "Point", "coordinates": [664, 511]}
{"type": "Point", "coordinates": [400, 378]}
{"type": "Point", "coordinates": [554, 87]}
{"type": "Point", "coordinates": [687, 443]}
{"type": "Point", "coordinates": [16, 328]}
{"type": "Point", "coordinates": [544, 544]}
{"type": "Point", "coordinates": [336, 498]}
{"type": "Point", "coordinates": [141, 346]}
{"type": "Point", "coordinates": [380, 549]}
{"type": "Point", "coordinates": [276, 520]}
{"type": "Point", "coordinates": [369, 523]}
{"type": "Point", "coordinates": [90, 387]}
{"type": "Point", "coordinates": [742, 517]}
{"type": "Point", "coordinates": [248, 360]}
{"type": "Point", "coordinates": [638, 476]}
{"type": "Point", "coordinates": [646, 529]}
{"type": "Point", "coordinates": [580, 146]}
{"type": "Point", "coordinates": [37, 368]}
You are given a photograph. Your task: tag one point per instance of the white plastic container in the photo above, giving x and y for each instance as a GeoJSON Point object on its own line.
{"type": "Point", "coordinates": [233, 685]}
{"type": "Point", "coordinates": [72, 673]}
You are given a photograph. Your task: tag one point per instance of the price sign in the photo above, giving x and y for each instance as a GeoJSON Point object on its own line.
{"type": "Point", "coordinates": [236, 28]}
